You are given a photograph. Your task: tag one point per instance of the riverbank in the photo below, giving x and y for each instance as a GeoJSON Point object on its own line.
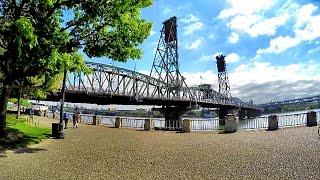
{"type": "Point", "coordinates": [93, 152]}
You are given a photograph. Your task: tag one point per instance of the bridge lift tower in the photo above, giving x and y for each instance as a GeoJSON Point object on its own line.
{"type": "Point", "coordinates": [166, 68]}
{"type": "Point", "coordinates": [224, 86]}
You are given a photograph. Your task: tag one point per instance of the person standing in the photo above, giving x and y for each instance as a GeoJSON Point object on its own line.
{"type": "Point", "coordinates": [75, 119]}
{"type": "Point", "coordinates": [66, 119]}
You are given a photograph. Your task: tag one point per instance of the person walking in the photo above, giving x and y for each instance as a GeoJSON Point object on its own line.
{"type": "Point", "coordinates": [75, 119]}
{"type": "Point", "coordinates": [66, 119]}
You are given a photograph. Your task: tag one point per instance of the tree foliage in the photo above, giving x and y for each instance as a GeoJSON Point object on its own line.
{"type": "Point", "coordinates": [23, 102]}
{"type": "Point", "coordinates": [41, 38]}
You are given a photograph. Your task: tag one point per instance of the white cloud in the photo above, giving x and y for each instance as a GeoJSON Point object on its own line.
{"type": "Point", "coordinates": [249, 17]}
{"type": "Point", "coordinates": [305, 13]}
{"type": "Point", "coordinates": [195, 44]}
{"type": "Point", "coordinates": [280, 44]}
{"type": "Point", "coordinates": [167, 11]}
{"type": "Point", "coordinates": [311, 51]}
{"type": "Point", "coordinates": [193, 23]}
{"type": "Point", "coordinates": [234, 38]}
{"type": "Point", "coordinates": [245, 7]}
{"type": "Point", "coordinates": [306, 28]}
{"type": "Point", "coordinates": [190, 18]}
{"type": "Point", "coordinates": [268, 26]}
{"type": "Point", "coordinates": [262, 72]}
{"type": "Point", "coordinates": [196, 78]}
{"type": "Point", "coordinates": [249, 80]}
{"type": "Point", "coordinates": [192, 27]}
{"type": "Point", "coordinates": [232, 58]}
{"type": "Point", "coordinates": [212, 36]}
{"type": "Point", "coordinates": [206, 58]}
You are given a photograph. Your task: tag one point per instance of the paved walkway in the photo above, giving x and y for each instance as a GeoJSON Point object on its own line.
{"type": "Point", "coordinates": [91, 152]}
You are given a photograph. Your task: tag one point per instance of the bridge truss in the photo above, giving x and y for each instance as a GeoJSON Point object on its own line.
{"type": "Point", "coordinates": [292, 102]}
{"type": "Point", "coordinates": [110, 81]}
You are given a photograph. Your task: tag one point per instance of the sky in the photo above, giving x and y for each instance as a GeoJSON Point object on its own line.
{"type": "Point", "coordinates": [272, 47]}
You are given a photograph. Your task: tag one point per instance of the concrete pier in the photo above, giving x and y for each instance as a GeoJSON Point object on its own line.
{"type": "Point", "coordinates": [272, 123]}
{"type": "Point", "coordinates": [148, 125]}
{"type": "Point", "coordinates": [311, 119]}
{"type": "Point", "coordinates": [118, 123]}
{"type": "Point", "coordinates": [230, 123]}
{"type": "Point", "coordinates": [96, 120]}
{"type": "Point", "coordinates": [186, 126]}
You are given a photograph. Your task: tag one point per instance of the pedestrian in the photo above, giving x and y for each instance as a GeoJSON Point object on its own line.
{"type": "Point", "coordinates": [75, 119]}
{"type": "Point", "coordinates": [66, 119]}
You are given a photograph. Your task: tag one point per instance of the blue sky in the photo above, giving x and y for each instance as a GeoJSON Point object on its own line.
{"type": "Point", "coordinates": [271, 47]}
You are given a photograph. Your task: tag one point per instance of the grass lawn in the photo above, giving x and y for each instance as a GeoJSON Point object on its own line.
{"type": "Point", "coordinates": [21, 133]}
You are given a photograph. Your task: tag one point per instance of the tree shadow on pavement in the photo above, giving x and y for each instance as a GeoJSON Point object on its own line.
{"type": "Point", "coordinates": [27, 150]}
{"type": "Point", "coordinates": [18, 142]}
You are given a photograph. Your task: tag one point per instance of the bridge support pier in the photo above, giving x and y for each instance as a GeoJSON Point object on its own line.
{"type": "Point", "coordinates": [242, 114]}
{"type": "Point", "coordinates": [173, 117]}
{"type": "Point", "coordinates": [223, 114]}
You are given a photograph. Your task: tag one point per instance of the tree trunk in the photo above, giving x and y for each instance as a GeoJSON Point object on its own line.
{"type": "Point", "coordinates": [19, 105]}
{"type": "Point", "coordinates": [5, 94]}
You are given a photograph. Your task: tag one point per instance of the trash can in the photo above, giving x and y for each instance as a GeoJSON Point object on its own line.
{"type": "Point", "coordinates": [56, 129]}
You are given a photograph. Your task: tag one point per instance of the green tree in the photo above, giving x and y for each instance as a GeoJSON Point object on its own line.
{"type": "Point", "coordinates": [41, 38]}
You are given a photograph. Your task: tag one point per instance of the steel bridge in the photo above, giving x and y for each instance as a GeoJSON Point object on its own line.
{"type": "Point", "coordinates": [292, 102]}
{"type": "Point", "coordinates": [165, 86]}
{"type": "Point", "coordinates": [114, 85]}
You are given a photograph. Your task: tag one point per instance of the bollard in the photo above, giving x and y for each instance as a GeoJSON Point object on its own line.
{"type": "Point", "coordinates": [148, 124]}
{"type": "Point", "coordinates": [311, 119]}
{"type": "Point", "coordinates": [96, 120]}
{"type": "Point", "coordinates": [230, 123]}
{"type": "Point", "coordinates": [118, 123]}
{"type": "Point", "coordinates": [186, 126]}
{"type": "Point", "coordinates": [57, 131]}
{"type": "Point", "coordinates": [272, 123]}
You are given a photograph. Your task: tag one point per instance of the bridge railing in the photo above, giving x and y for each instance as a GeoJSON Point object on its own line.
{"type": "Point", "coordinates": [205, 125]}
{"type": "Point", "coordinates": [108, 121]}
{"type": "Point", "coordinates": [159, 123]}
{"type": "Point", "coordinates": [254, 123]}
{"type": "Point", "coordinates": [292, 120]}
{"type": "Point", "coordinates": [128, 122]}
{"type": "Point", "coordinates": [87, 118]}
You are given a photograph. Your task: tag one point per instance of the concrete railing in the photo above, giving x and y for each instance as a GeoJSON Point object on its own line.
{"type": "Point", "coordinates": [254, 123]}
{"type": "Point", "coordinates": [205, 125]}
{"type": "Point", "coordinates": [272, 122]}
{"type": "Point", "coordinates": [289, 120]}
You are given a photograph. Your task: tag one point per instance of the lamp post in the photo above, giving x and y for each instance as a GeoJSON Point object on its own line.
{"type": "Point", "coordinates": [61, 132]}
